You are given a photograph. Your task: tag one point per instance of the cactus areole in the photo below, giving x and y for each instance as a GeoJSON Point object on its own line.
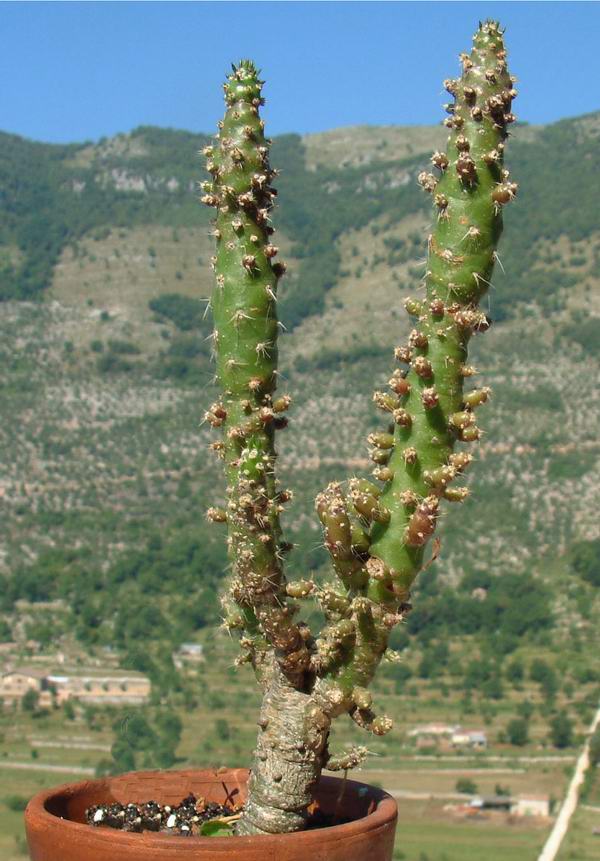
{"type": "Point", "coordinates": [375, 531]}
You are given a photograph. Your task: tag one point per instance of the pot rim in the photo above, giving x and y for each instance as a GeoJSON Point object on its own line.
{"type": "Point", "coordinates": [37, 816]}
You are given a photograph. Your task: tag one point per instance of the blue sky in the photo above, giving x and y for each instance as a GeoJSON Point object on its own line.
{"type": "Point", "coordinates": [77, 71]}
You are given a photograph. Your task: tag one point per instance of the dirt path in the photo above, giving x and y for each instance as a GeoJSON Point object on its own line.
{"type": "Point", "coordinates": [407, 795]}
{"type": "Point", "coordinates": [474, 770]}
{"type": "Point", "coordinates": [479, 759]}
{"type": "Point", "coordinates": [34, 766]}
{"type": "Point", "coordinates": [83, 745]}
{"type": "Point", "coordinates": [569, 805]}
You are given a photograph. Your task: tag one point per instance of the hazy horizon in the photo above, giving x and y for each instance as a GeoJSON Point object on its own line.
{"type": "Point", "coordinates": [96, 141]}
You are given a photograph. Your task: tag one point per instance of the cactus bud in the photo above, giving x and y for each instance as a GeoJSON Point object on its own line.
{"type": "Point", "coordinates": [456, 494]}
{"type": "Point", "coordinates": [476, 397]}
{"type": "Point", "coordinates": [440, 477]}
{"type": "Point", "coordinates": [367, 506]}
{"type": "Point", "coordinates": [386, 402]}
{"type": "Point", "coordinates": [383, 473]}
{"type": "Point", "coordinates": [300, 588]}
{"type": "Point", "coordinates": [460, 460]}
{"type": "Point", "coordinates": [379, 456]}
{"type": "Point", "coordinates": [422, 523]}
{"type": "Point", "coordinates": [381, 440]}
{"type": "Point", "coordinates": [382, 725]}
{"type": "Point", "coordinates": [462, 420]}
{"type": "Point", "coordinates": [281, 404]}
{"type": "Point", "coordinates": [470, 434]}
{"type": "Point", "coordinates": [504, 192]}
{"type": "Point", "coordinates": [413, 307]}
{"type": "Point", "coordinates": [362, 697]}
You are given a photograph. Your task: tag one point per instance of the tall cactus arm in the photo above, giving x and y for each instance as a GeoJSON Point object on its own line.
{"type": "Point", "coordinates": [428, 408]}
{"type": "Point", "coordinates": [245, 339]}
{"type": "Point", "coordinates": [432, 411]}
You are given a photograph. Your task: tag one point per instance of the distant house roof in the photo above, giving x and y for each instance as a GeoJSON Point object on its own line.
{"type": "Point", "coordinates": [433, 729]}
{"type": "Point", "coordinates": [65, 678]}
{"type": "Point", "coordinates": [33, 673]}
{"type": "Point", "coordinates": [95, 673]}
{"type": "Point", "coordinates": [476, 735]}
{"type": "Point", "coordinates": [473, 736]}
{"type": "Point", "coordinates": [491, 801]}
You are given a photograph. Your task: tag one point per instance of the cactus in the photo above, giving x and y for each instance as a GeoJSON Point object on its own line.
{"type": "Point", "coordinates": [376, 533]}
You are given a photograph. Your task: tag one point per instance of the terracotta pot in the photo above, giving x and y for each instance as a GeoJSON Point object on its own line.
{"type": "Point", "coordinates": [56, 830]}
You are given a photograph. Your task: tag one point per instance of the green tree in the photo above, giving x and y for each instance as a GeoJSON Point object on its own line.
{"type": "Point", "coordinates": [561, 730]}
{"type": "Point", "coordinates": [30, 700]}
{"type": "Point", "coordinates": [517, 732]}
{"type": "Point", "coordinates": [222, 729]}
{"type": "Point", "coordinates": [542, 673]}
{"type": "Point", "coordinates": [492, 687]}
{"type": "Point", "coordinates": [595, 748]}
{"type": "Point", "coordinates": [515, 672]}
{"type": "Point", "coordinates": [525, 709]}
{"type": "Point", "coordinates": [16, 803]}
{"type": "Point", "coordinates": [123, 756]}
{"type": "Point", "coordinates": [585, 561]}
{"type": "Point", "coordinates": [466, 785]}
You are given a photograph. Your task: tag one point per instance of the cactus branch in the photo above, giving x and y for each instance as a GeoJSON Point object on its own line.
{"type": "Point", "coordinates": [473, 186]}
{"type": "Point", "coordinates": [245, 315]}
{"type": "Point", "coordinates": [431, 412]}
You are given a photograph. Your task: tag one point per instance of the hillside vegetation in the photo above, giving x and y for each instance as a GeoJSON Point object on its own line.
{"type": "Point", "coordinates": [106, 372]}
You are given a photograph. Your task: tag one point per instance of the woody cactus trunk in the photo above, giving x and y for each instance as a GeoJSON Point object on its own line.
{"type": "Point", "coordinates": [376, 533]}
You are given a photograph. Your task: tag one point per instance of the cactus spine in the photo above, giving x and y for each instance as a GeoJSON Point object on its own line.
{"type": "Point", "coordinates": [375, 533]}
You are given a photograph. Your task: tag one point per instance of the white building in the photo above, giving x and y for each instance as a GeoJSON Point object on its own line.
{"type": "Point", "coordinates": [531, 805]}
{"type": "Point", "coordinates": [474, 739]}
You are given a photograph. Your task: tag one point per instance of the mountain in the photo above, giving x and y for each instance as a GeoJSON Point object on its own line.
{"type": "Point", "coordinates": [105, 375]}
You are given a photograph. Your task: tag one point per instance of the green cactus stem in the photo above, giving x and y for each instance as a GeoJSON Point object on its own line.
{"type": "Point", "coordinates": [434, 413]}
{"type": "Point", "coordinates": [427, 406]}
{"type": "Point", "coordinates": [244, 306]}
